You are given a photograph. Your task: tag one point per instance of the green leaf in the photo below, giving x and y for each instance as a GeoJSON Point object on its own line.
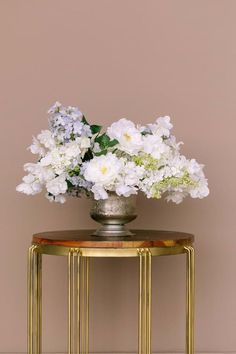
{"type": "Point", "coordinates": [103, 152]}
{"type": "Point", "coordinates": [145, 133]}
{"type": "Point", "coordinates": [69, 184]}
{"type": "Point", "coordinates": [99, 138]}
{"type": "Point", "coordinates": [103, 140]}
{"type": "Point", "coordinates": [113, 142]}
{"type": "Point", "coordinates": [83, 120]}
{"type": "Point", "coordinates": [88, 155]}
{"type": "Point", "coordinates": [72, 136]}
{"type": "Point", "coordinates": [75, 171]}
{"type": "Point", "coordinates": [95, 129]}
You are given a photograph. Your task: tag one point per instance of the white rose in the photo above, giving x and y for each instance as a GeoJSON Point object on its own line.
{"type": "Point", "coordinates": [128, 136]}
{"type": "Point", "coordinates": [103, 169]}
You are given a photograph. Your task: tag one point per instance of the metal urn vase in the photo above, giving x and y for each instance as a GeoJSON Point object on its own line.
{"type": "Point", "coordinates": [113, 213]}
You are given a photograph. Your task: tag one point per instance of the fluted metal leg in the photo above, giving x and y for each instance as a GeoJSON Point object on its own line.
{"type": "Point", "coordinates": [145, 290]}
{"type": "Point", "coordinates": [39, 302]}
{"type": "Point", "coordinates": [85, 306]}
{"type": "Point", "coordinates": [34, 301]}
{"type": "Point", "coordinates": [78, 328]}
{"type": "Point", "coordinates": [190, 300]}
{"type": "Point", "coordinates": [72, 258]}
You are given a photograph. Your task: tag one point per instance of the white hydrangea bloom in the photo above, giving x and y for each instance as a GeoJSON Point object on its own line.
{"type": "Point", "coordinates": [194, 168]}
{"type": "Point", "coordinates": [30, 185]}
{"type": "Point", "coordinates": [45, 138]}
{"type": "Point", "coordinates": [151, 177]}
{"type": "Point", "coordinates": [195, 171]}
{"type": "Point", "coordinates": [132, 173]}
{"type": "Point", "coordinates": [162, 126]}
{"type": "Point", "coordinates": [58, 198]}
{"type": "Point", "coordinates": [128, 136]}
{"type": "Point", "coordinates": [85, 142]}
{"type": "Point", "coordinates": [37, 148]}
{"type": "Point", "coordinates": [99, 192]}
{"type": "Point", "coordinates": [126, 191]}
{"type": "Point", "coordinates": [71, 149]}
{"type": "Point", "coordinates": [62, 157]}
{"type": "Point", "coordinates": [56, 160]}
{"type": "Point", "coordinates": [43, 174]}
{"type": "Point", "coordinates": [176, 165]}
{"type": "Point", "coordinates": [57, 185]}
{"type": "Point", "coordinates": [174, 144]}
{"type": "Point", "coordinates": [176, 197]}
{"type": "Point", "coordinates": [155, 146]}
{"type": "Point", "coordinates": [36, 178]}
{"type": "Point", "coordinates": [129, 179]}
{"type": "Point", "coordinates": [201, 191]}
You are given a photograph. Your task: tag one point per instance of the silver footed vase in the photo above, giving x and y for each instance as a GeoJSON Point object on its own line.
{"type": "Point", "coordinates": [114, 213]}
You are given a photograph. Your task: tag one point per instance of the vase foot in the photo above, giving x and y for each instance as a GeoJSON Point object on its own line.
{"type": "Point", "coordinates": [113, 231]}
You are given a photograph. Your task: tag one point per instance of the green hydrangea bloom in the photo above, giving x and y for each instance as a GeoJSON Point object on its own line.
{"type": "Point", "coordinates": [147, 161]}
{"type": "Point", "coordinates": [74, 172]}
{"type": "Point", "coordinates": [172, 182]}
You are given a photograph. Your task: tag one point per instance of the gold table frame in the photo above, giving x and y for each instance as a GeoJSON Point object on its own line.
{"type": "Point", "coordinates": [78, 292]}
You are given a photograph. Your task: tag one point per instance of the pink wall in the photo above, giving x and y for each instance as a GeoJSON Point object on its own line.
{"type": "Point", "coordinates": [138, 59]}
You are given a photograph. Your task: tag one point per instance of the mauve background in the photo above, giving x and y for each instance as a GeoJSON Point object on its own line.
{"type": "Point", "coordinates": [138, 59]}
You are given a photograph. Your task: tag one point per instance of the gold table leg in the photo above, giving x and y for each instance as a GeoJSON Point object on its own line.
{"type": "Point", "coordinates": [78, 326]}
{"type": "Point", "coordinates": [85, 306]}
{"type": "Point", "coordinates": [190, 300]}
{"type": "Point", "coordinates": [145, 289]}
{"type": "Point", "coordinates": [34, 301]}
{"type": "Point", "coordinates": [78, 281]}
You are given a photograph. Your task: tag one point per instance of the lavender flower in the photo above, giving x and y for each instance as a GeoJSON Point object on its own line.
{"type": "Point", "coordinates": [66, 123]}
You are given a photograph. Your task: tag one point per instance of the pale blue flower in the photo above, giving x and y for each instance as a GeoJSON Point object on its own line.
{"type": "Point", "coordinates": [66, 123]}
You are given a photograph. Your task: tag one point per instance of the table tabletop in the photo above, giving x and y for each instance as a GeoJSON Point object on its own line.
{"type": "Point", "coordinates": [140, 238]}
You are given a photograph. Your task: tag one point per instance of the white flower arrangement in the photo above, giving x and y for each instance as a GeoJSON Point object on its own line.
{"type": "Point", "coordinates": [76, 158]}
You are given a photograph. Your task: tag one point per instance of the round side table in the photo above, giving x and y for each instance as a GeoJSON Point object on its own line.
{"type": "Point", "coordinates": [79, 246]}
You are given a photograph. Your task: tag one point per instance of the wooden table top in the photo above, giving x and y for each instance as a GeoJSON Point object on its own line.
{"type": "Point", "coordinates": [141, 238]}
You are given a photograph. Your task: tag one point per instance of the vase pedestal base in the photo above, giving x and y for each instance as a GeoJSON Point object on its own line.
{"type": "Point", "coordinates": [113, 231]}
